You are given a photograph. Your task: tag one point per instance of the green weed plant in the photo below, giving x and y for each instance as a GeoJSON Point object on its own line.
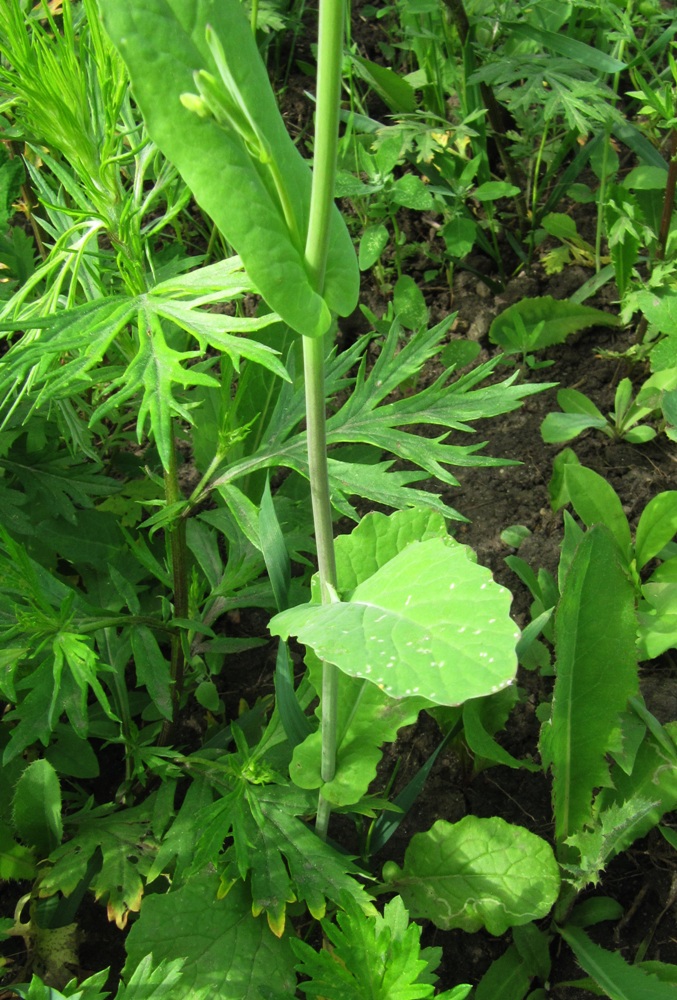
{"type": "Point", "coordinates": [123, 567]}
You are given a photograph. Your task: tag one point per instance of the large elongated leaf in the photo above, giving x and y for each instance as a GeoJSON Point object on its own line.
{"type": "Point", "coordinates": [595, 631]}
{"type": "Point", "coordinates": [164, 43]}
{"type": "Point", "coordinates": [429, 623]}
{"type": "Point", "coordinates": [477, 873]}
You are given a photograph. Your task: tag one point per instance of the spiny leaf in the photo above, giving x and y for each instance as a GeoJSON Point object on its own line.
{"type": "Point", "coordinates": [617, 978]}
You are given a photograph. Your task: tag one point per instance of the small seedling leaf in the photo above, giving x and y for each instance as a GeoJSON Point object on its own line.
{"type": "Point", "coordinates": [372, 244]}
{"type": "Point", "coordinates": [657, 526]}
{"type": "Point", "coordinates": [410, 307]}
{"type": "Point", "coordinates": [560, 427]}
{"type": "Point", "coordinates": [560, 317]}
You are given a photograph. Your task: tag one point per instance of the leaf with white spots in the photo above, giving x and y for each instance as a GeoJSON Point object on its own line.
{"type": "Point", "coordinates": [429, 623]}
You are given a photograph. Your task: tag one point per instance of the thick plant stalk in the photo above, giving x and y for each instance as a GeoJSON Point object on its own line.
{"type": "Point", "coordinates": [330, 52]}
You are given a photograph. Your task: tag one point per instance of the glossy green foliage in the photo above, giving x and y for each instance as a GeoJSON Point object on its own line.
{"type": "Point", "coordinates": [378, 957]}
{"type": "Point", "coordinates": [428, 623]}
{"type": "Point", "coordinates": [244, 170]}
{"type": "Point", "coordinates": [477, 873]}
{"type": "Point", "coordinates": [532, 324]}
{"type": "Point", "coordinates": [225, 949]}
{"type": "Point", "coordinates": [251, 826]}
{"type": "Point", "coordinates": [36, 807]}
{"type": "Point", "coordinates": [595, 630]}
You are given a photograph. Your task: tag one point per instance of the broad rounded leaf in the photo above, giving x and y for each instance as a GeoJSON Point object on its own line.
{"type": "Point", "coordinates": [223, 946]}
{"type": "Point", "coordinates": [430, 623]}
{"type": "Point", "coordinates": [477, 873]}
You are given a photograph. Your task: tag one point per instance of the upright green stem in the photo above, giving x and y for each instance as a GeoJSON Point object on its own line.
{"type": "Point", "coordinates": [329, 59]}
{"type": "Point", "coordinates": [177, 545]}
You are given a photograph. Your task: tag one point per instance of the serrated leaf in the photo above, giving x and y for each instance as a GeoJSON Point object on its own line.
{"type": "Point", "coordinates": [157, 982]}
{"type": "Point", "coordinates": [560, 317]}
{"type": "Point", "coordinates": [431, 623]}
{"type": "Point", "coordinates": [17, 862]}
{"type": "Point", "coordinates": [613, 831]}
{"type": "Point", "coordinates": [55, 482]}
{"type": "Point", "coordinates": [378, 957]}
{"type": "Point", "coordinates": [618, 979]}
{"type": "Point", "coordinates": [223, 947]}
{"type": "Point", "coordinates": [451, 403]}
{"type": "Point", "coordinates": [477, 873]}
{"type": "Point", "coordinates": [316, 872]}
{"type": "Point", "coordinates": [127, 848]}
{"type": "Point", "coordinates": [36, 807]}
{"type": "Point", "coordinates": [653, 779]}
